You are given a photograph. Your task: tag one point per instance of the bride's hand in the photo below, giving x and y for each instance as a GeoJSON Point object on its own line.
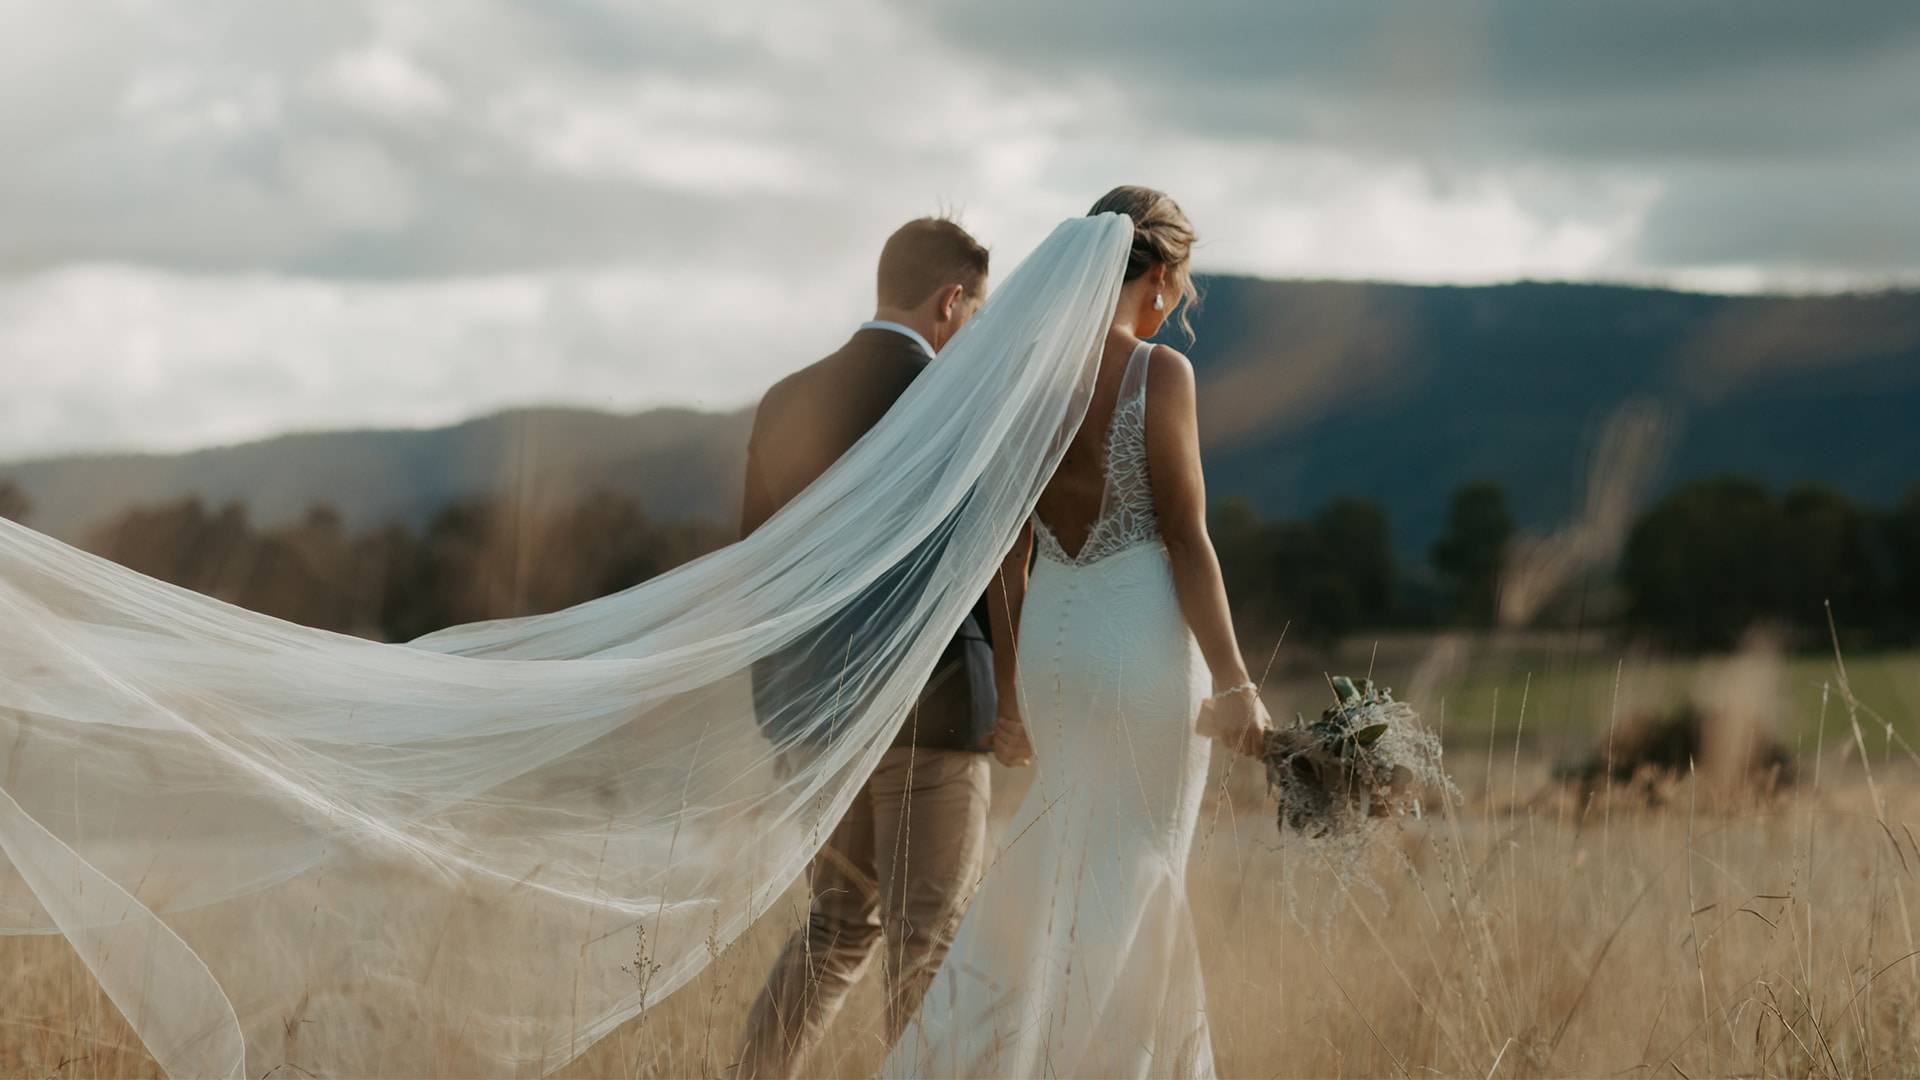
{"type": "Point", "coordinates": [1009, 742]}
{"type": "Point", "coordinates": [1238, 719]}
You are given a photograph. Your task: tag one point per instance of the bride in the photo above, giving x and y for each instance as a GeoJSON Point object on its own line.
{"type": "Point", "coordinates": [1077, 957]}
{"type": "Point", "coordinates": [481, 852]}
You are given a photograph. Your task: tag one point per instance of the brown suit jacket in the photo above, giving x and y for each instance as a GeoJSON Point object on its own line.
{"type": "Point", "coordinates": [803, 425]}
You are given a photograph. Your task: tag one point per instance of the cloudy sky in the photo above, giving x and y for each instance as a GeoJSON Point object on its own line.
{"type": "Point", "coordinates": [221, 219]}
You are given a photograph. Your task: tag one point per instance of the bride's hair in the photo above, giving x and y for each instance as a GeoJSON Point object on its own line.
{"type": "Point", "coordinates": [1161, 234]}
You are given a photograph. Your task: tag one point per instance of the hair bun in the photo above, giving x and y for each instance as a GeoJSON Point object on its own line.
{"type": "Point", "coordinates": [1162, 235]}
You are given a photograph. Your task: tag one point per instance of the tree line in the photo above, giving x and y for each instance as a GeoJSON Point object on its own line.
{"type": "Point", "coordinates": [474, 559]}
{"type": "Point", "coordinates": [1695, 570]}
{"type": "Point", "coordinates": [1724, 553]}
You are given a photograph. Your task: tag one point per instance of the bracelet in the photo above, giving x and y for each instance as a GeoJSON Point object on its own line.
{"type": "Point", "coordinates": [1243, 688]}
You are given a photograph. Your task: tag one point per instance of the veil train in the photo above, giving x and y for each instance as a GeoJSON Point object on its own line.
{"type": "Point", "coordinates": [481, 851]}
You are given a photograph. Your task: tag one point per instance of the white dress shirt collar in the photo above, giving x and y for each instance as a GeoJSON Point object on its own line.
{"type": "Point", "coordinates": [900, 328]}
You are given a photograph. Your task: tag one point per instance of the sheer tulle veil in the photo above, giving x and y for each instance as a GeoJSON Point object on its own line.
{"type": "Point", "coordinates": [481, 851]}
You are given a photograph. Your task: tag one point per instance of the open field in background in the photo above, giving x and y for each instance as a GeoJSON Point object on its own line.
{"type": "Point", "coordinates": [1529, 933]}
{"type": "Point", "coordinates": [1470, 686]}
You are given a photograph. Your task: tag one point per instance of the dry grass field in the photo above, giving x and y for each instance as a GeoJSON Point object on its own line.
{"type": "Point", "coordinates": [1531, 931]}
{"type": "Point", "coordinates": [1512, 940]}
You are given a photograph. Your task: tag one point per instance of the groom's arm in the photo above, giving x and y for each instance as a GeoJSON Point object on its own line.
{"type": "Point", "coordinates": [1005, 597]}
{"type": "Point", "coordinates": [768, 448]}
{"type": "Point", "coordinates": [757, 501]}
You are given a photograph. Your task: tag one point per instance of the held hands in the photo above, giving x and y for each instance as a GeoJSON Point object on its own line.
{"type": "Point", "coordinates": [1237, 718]}
{"type": "Point", "coordinates": [1009, 742]}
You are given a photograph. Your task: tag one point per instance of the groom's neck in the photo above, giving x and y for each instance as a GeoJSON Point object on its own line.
{"type": "Point", "coordinates": [920, 322]}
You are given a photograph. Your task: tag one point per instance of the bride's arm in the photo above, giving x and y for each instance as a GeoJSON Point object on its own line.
{"type": "Point", "coordinates": [1180, 501]}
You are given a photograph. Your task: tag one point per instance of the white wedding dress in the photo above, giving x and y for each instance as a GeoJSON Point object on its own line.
{"type": "Point", "coordinates": [1077, 956]}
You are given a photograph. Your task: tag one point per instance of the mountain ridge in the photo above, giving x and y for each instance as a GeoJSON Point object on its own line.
{"type": "Point", "coordinates": [1309, 391]}
{"type": "Point", "coordinates": [374, 475]}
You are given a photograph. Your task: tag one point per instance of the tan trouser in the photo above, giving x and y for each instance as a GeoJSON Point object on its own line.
{"type": "Point", "coordinates": [899, 867]}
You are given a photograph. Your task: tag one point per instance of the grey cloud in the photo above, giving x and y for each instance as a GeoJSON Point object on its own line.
{"type": "Point", "coordinates": [1859, 218]}
{"type": "Point", "coordinates": [221, 146]}
{"type": "Point", "coordinates": [617, 39]}
{"type": "Point", "coordinates": [1305, 64]}
{"type": "Point", "coordinates": [1773, 132]}
{"type": "Point", "coordinates": [239, 140]}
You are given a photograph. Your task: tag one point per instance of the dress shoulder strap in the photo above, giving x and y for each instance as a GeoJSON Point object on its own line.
{"type": "Point", "coordinates": [1133, 381]}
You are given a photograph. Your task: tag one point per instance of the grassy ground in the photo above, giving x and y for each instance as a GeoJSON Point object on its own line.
{"type": "Point", "coordinates": [1512, 941]}
{"type": "Point", "coordinates": [1530, 933]}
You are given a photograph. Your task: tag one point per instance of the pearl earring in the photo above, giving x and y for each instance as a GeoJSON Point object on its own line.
{"type": "Point", "coordinates": [1159, 302]}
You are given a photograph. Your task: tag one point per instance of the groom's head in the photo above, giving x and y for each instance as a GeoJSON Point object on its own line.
{"type": "Point", "coordinates": [933, 277]}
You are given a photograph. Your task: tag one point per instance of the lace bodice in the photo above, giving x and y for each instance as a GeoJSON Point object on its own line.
{"type": "Point", "coordinates": [1127, 519]}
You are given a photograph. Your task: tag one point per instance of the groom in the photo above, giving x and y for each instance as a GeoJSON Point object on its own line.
{"type": "Point", "coordinates": [897, 868]}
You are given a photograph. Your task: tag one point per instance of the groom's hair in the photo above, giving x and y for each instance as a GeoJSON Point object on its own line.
{"type": "Point", "coordinates": [926, 255]}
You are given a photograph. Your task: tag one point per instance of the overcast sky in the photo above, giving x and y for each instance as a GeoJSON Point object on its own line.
{"type": "Point", "coordinates": [221, 219]}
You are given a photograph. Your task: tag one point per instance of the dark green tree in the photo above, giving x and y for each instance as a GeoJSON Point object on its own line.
{"type": "Point", "coordinates": [1827, 556]}
{"type": "Point", "coordinates": [1312, 595]}
{"type": "Point", "coordinates": [1706, 562]}
{"type": "Point", "coordinates": [477, 559]}
{"type": "Point", "coordinates": [1244, 544]}
{"type": "Point", "coordinates": [1902, 532]}
{"type": "Point", "coordinates": [483, 559]}
{"type": "Point", "coordinates": [1323, 578]}
{"type": "Point", "coordinates": [1359, 546]}
{"type": "Point", "coordinates": [1471, 553]}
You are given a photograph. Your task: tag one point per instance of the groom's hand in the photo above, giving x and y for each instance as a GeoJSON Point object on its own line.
{"type": "Point", "coordinates": [1009, 742]}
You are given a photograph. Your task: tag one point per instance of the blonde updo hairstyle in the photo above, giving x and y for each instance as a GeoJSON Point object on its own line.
{"type": "Point", "coordinates": [1162, 236]}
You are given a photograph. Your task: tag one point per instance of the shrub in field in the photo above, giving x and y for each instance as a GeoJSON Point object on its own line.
{"type": "Point", "coordinates": [1655, 749]}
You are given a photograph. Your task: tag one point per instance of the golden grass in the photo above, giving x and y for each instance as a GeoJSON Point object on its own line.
{"type": "Point", "coordinates": [1517, 937]}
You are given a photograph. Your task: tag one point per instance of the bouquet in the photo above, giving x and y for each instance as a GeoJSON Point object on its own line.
{"type": "Point", "coordinates": [1368, 757]}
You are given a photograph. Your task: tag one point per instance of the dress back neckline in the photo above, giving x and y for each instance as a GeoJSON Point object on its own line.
{"type": "Point", "coordinates": [1126, 518]}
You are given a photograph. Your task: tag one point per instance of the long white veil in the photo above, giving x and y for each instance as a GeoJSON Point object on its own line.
{"type": "Point", "coordinates": [482, 851]}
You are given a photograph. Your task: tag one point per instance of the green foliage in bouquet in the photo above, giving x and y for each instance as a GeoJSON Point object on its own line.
{"type": "Point", "coordinates": [1367, 757]}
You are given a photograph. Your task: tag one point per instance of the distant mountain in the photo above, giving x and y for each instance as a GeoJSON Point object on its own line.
{"type": "Point", "coordinates": [1315, 390]}
{"type": "Point", "coordinates": [680, 465]}
{"type": "Point", "coordinates": [1309, 391]}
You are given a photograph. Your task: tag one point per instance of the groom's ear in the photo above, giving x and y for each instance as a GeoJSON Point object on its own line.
{"type": "Point", "coordinates": [950, 297]}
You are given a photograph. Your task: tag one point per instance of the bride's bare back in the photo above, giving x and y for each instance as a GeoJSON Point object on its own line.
{"type": "Point", "coordinates": [1071, 504]}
